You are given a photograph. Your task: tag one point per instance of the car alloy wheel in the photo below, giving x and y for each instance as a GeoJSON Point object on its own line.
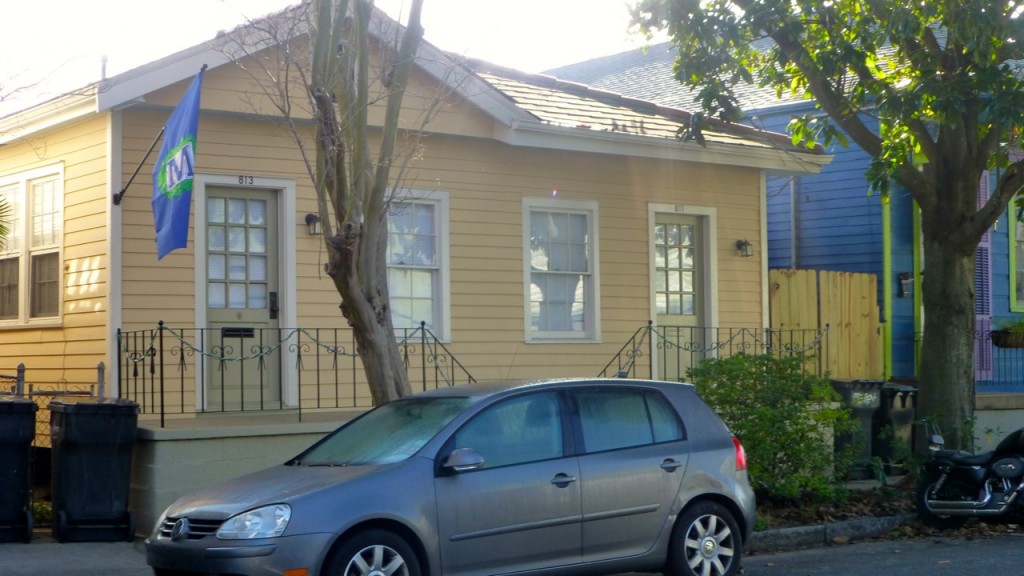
{"type": "Point", "coordinates": [706, 542]}
{"type": "Point", "coordinates": [374, 553]}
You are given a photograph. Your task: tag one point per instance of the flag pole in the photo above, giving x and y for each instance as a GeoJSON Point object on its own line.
{"type": "Point", "coordinates": [119, 195]}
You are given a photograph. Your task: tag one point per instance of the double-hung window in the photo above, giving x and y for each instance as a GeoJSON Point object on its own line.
{"type": "Point", "coordinates": [30, 256]}
{"type": "Point", "coordinates": [560, 251]}
{"type": "Point", "coordinates": [417, 261]}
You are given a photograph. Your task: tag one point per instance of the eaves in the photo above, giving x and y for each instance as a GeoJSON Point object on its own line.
{"type": "Point", "coordinates": [546, 136]}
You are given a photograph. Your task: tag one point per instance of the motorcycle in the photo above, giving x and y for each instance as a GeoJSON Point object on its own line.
{"type": "Point", "coordinates": [955, 485]}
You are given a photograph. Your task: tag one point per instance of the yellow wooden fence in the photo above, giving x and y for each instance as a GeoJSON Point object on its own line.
{"type": "Point", "coordinates": [847, 303]}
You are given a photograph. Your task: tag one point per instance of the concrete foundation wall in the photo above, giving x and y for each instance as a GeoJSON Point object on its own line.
{"type": "Point", "coordinates": [169, 463]}
{"type": "Point", "coordinates": [997, 415]}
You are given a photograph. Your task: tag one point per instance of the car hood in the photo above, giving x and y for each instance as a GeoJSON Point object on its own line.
{"type": "Point", "coordinates": [270, 486]}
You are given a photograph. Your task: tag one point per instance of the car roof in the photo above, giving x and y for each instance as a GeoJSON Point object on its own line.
{"type": "Point", "coordinates": [495, 387]}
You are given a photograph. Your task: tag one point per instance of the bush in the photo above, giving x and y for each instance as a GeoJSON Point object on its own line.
{"type": "Point", "coordinates": [786, 419]}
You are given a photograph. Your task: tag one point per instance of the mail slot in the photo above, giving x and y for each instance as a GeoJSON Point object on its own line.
{"type": "Point", "coordinates": [237, 332]}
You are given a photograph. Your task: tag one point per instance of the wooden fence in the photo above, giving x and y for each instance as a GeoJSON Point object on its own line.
{"type": "Point", "coordinates": [847, 303]}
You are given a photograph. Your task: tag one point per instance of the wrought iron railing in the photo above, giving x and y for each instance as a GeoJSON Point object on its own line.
{"type": "Point", "coordinates": [169, 370]}
{"type": "Point", "coordinates": [667, 352]}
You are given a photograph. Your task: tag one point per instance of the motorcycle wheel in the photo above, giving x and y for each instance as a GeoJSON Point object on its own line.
{"type": "Point", "coordinates": [926, 491]}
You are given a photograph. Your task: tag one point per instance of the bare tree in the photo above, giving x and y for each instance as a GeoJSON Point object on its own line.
{"type": "Point", "coordinates": [348, 61]}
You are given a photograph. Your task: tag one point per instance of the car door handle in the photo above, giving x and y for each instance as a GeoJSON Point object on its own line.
{"type": "Point", "coordinates": [562, 480]}
{"type": "Point", "coordinates": [670, 465]}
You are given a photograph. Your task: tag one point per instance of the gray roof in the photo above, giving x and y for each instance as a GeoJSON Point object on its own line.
{"type": "Point", "coordinates": [647, 73]}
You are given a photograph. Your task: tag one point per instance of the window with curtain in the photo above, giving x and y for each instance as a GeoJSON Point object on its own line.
{"type": "Point", "coordinates": [30, 263]}
{"type": "Point", "coordinates": [561, 260]}
{"type": "Point", "coordinates": [416, 262]}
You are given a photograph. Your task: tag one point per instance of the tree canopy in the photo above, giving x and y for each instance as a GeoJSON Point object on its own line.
{"type": "Point", "coordinates": [931, 90]}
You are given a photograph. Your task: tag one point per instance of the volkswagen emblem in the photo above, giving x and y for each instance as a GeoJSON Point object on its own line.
{"type": "Point", "coordinates": [180, 530]}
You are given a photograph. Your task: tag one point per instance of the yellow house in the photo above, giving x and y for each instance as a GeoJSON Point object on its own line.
{"type": "Point", "coordinates": [538, 226]}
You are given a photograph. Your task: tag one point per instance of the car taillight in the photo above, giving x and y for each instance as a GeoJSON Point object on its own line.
{"type": "Point", "coordinates": [741, 454]}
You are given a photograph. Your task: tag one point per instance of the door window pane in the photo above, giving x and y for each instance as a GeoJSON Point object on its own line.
{"type": "Point", "coordinates": [216, 267]}
{"type": "Point", "coordinates": [216, 212]}
{"type": "Point", "coordinates": [236, 211]}
{"type": "Point", "coordinates": [216, 295]}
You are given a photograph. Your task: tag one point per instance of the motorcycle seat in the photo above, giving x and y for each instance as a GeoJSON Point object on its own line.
{"type": "Point", "coordinates": [961, 458]}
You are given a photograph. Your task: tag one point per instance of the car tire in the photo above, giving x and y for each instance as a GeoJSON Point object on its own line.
{"type": "Point", "coordinates": [373, 552]}
{"type": "Point", "coordinates": [706, 541]}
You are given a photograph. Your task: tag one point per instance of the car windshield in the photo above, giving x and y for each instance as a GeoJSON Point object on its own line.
{"type": "Point", "coordinates": [391, 433]}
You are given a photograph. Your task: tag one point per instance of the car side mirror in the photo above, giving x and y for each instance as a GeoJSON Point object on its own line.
{"type": "Point", "coordinates": [463, 459]}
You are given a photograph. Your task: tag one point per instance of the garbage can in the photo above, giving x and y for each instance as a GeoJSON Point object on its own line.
{"type": "Point", "coordinates": [92, 443]}
{"type": "Point", "coordinates": [892, 426]}
{"type": "Point", "coordinates": [17, 430]}
{"type": "Point", "coordinates": [863, 398]}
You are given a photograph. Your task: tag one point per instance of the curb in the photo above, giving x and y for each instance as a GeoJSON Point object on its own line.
{"type": "Point", "coordinates": [823, 534]}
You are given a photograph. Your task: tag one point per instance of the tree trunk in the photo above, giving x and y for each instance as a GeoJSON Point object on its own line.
{"type": "Point", "coordinates": [364, 303]}
{"type": "Point", "coordinates": [946, 394]}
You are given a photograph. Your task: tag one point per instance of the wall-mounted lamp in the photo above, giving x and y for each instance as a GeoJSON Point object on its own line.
{"type": "Point", "coordinates": [746, 248]}
{"type": "Point", "coordinates": [313, 223]}
{"type": "Point", "coordinates": [906, 285]}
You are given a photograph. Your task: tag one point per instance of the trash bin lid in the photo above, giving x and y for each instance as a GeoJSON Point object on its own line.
{"type": "Point", "coordinates": [88, 405]}
{"type": "Point", "coordinates": [17, 405]}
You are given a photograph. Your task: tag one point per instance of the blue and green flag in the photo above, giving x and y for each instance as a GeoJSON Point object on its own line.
{"type": "Point", "coordinates": [175, 171]}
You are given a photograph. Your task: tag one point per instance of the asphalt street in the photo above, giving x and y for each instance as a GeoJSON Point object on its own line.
{"type": "Point", "coordinates": [931, 556]}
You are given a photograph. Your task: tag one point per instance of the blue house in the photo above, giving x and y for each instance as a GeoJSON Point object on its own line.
{"type": "Point", "coordinates": [831, 221]}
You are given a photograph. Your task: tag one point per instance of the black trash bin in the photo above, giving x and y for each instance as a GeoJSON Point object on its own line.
{"type": "Point", "coordinates": [892, 426]}
{"type": "Point", "coordinates": [92, 443]}
{"type": "Point", "coordinates": [17, 430]}
{"type": "Point", "coordinates": [863, 397]}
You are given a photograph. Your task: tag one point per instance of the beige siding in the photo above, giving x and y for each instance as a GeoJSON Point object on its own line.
{"type": "Point", "coordinates": [487, 182]}
{"type": "Point", "coordinates": [68, 354]}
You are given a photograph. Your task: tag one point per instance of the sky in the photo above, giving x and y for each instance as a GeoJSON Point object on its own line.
{"type": "Point", "coordinates": [59, 45]}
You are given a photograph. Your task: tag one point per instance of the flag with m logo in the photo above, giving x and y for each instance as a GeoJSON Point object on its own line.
{"type": "Point", "coordinates": [174, 172]}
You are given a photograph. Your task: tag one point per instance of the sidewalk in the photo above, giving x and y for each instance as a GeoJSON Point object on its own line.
{"type": "Point", "coordinates": [45, 557]}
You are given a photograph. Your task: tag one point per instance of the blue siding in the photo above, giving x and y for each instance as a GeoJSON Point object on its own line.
{"type": "Point", "coordinates": [836, 224]}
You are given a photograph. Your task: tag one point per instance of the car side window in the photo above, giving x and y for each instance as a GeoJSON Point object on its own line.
{"type": "Point", "coordinates": [515, 431]}
{"type": "Point", "coordinates": [612, 419]}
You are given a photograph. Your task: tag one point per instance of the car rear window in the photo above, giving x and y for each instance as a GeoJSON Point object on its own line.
{"type": "Point", "coordinates": [622, 418]}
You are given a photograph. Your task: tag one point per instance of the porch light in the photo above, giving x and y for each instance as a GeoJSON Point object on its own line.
{"type": "Point", "coordinates": [746, 248]}
{"type": "Point", "coordinates": [906, 284]}
{"type": "Point", "coordinates": [313, 223]}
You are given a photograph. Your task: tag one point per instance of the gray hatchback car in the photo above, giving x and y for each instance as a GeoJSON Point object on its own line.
{"type": "Point", "coordinates": [574, 476]}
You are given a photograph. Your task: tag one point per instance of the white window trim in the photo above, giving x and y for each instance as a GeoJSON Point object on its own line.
{"type": "Point", "coordinates": [443, 309]}
{"type": "Point", "coordinates": [592, 313]}
{"type": "Point", "coordinates": [22, 179]}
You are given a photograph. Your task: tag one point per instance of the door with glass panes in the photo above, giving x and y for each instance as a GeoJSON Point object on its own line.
{"type": "Point", "coordinates": [678, 293]}
{"type": "Point", "coordinates": [242, 343]}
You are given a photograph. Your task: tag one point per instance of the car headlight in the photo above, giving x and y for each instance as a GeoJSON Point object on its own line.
{"type": "Point", "coordinates": [267, 522]}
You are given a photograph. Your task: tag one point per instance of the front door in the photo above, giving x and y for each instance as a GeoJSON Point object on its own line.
{"type": "Point", "coordinates": [678, 292]}
{"type": "Point", "coordinates": [242, 342]}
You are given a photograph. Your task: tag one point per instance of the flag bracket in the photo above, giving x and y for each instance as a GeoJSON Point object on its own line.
{"type": "Point", "coordinates": [120, 195]}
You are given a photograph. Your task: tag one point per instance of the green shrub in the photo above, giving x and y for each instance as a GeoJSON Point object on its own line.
{"type": "Point", "coordinates": [786, 419]}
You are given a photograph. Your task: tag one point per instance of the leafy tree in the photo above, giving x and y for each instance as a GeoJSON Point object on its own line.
{"type": "Point", "coordinates": [940, 79]}
{"type": "Point", "coordinates": [353, 67]}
